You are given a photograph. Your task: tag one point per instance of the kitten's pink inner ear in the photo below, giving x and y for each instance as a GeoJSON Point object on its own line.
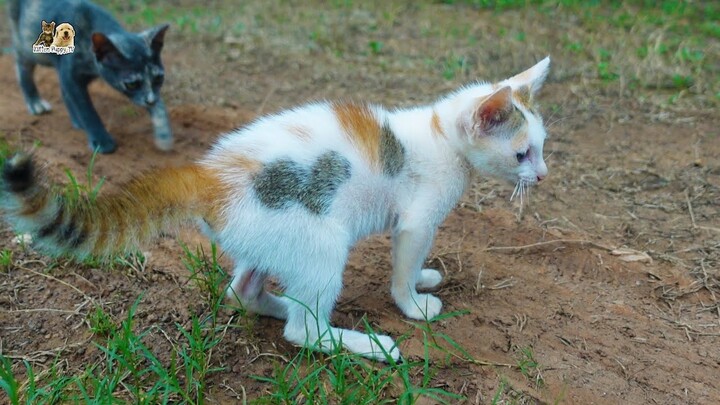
{"type": "Point", "coordinates": [524, 94]}
{"type": "Point", "coordinates": [101, 45]}
{"type": "Point", "coordinates": [495, 109]}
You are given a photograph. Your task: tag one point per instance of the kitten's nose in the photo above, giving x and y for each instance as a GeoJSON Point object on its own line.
{"type": "Point", "coordinates": [150, 99]}
{"type": "Point", "coordinates": [540, 178]}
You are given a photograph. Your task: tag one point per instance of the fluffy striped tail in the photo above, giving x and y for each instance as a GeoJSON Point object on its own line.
{"type": "Point", "coordinates": [112, 223]}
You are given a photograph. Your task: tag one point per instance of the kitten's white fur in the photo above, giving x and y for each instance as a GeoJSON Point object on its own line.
{"type": "Point", "coordinates": [307, 253]}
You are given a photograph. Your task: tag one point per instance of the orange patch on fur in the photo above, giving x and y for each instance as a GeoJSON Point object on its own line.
{"type": "Point", "coordinates": [149, 202]}
{"type": "Point", "coordinates": [237, 164]}
{"type": "Point", "coordinates": [361, 128]}
{"type": "Point", "coordinates": [436, 127]}
{"type": "Point", "coordinates": [37, 203]}
{"type": "Point", "coordinates": [301, 132]}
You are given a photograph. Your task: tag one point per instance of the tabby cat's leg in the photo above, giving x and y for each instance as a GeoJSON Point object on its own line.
{"type": "Point", "coordinates": [34, 103]}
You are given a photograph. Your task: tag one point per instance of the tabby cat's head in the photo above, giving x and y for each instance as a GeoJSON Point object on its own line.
{"type": "Point", "coordinates": [502, 130]}
{"type": "Point", "coordinates": [131, 63]}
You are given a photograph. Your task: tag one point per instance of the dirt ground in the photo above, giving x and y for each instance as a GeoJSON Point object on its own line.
{"type": "Point", "coordinates": [606, 325]}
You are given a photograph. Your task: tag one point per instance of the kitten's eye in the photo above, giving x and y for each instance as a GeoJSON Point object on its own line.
{"type": "Point", "coordinates": [133, 85]}
{"type": "Point", "coordinates": [522, 156]}
{"type": "Point", "coordinates": [157, 80]}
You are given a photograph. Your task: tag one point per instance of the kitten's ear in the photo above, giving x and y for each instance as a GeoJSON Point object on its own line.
{"type": "Point", "coordinates": [103, 46]}
{"type": "Point", "coordinates": [533, 78]}
{"type": "Point", "coordinates": [494, 110]}
{"type": "Point", "coordinates": [155, 37]}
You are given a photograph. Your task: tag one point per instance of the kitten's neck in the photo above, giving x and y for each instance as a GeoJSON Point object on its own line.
{"type": "Point", "coordinates": [434, 125]}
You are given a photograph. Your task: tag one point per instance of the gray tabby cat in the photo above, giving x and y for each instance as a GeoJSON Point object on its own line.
{"type": "Point", "coordinates": [127, 61]}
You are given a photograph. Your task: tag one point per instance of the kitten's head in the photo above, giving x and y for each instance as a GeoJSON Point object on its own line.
{"type": "Point", "coordinates": [503, 131]}
{"type": "Point", "coordinates": [48, 28]}
{"type": "Point", "coordinates": [131, 63]}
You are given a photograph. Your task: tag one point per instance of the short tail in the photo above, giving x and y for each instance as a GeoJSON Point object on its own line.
{"type": "Point", "coordinates": [111, 223]}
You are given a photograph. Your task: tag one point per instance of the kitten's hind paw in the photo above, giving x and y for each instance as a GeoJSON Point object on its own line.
{"type": "Point", "coordinates": [376, 347]}
{"type": "Point", "coordinates": [429, 278]}
{"type": "Point", "coordinates": [39, 106]}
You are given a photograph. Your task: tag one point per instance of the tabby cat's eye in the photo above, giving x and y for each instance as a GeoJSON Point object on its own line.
{"type": "Point", "coordinates": [133, 85]}
{"type": "Point", "coordinates": [157, 80]}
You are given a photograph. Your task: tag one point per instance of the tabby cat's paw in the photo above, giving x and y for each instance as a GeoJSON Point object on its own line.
{"type": "Point", "coordinates": [106, 145]}
{"type": "Point", "coordinates": [39, 106]}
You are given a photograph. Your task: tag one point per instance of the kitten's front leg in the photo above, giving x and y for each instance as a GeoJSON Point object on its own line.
{"type": "Point", "coordinates": [161, 125]}
{"type": "Point", "coordinates": [410, 248]}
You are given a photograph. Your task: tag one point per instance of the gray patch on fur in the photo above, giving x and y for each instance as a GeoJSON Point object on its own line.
{"type": "Point", "coordinates": [326, 175]}
{"type": "Point", "coordinates": [279, 183]}
{"type": "Point", "coordinates": [284, 182]}
{"type": "Point", "coordinates": [392, 152]}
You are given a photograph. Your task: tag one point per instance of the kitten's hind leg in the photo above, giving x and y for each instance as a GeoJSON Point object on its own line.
{"type": "Point", "coordinates": [248, 287]}
{"type": "Point", "coordinates": [34, 103]}
{"type": "Point", "coordinates": [310, 304]}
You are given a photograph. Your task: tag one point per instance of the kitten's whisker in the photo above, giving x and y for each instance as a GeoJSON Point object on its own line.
{"type": "Point", "coordinates": [556, 121]}
{"type": "Point", "coordinates": [517, 186]}
{"type": "Point", "coordinates": [527, 194]}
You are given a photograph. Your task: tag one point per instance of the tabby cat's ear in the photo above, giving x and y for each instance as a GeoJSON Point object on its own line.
{"type": "Point", "coordinates": [155, 37]}
{"type": "Point", "coordinates": [532, 78]}
{"type": "Point", "coordinates": [103, 46]}
{"type": "Point", "coordinates": [493, 111]}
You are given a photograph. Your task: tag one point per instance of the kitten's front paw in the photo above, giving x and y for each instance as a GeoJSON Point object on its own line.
{"type": "Point", "coordinates": [39, 106]}
{"type": "Point", "coordinates": [422, 307]}
{"type": "Point", "coordinates": [429, 278]}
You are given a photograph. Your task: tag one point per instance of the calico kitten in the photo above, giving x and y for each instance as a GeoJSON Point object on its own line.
{"type": "Point", "coordinates": [290, 194]}
{"type": "Point", "coordinates": [128, 62]}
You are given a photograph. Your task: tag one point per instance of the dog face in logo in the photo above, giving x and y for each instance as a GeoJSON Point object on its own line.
{"type": "Point", "coordinates": [64, 35]}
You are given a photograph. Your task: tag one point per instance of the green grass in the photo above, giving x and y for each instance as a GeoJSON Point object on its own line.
{"type": "Point", "coordinates": [76, 192]}
{"type": "Point", "coordinates": [341, 377]}
{"type": "Point", "coordinates": [129, 369]}
{"type": "Point", "coordinates": [6, 260]}
{"type": "Point", "coordinates": [529, 367]}
{"type": "Point", "coordinates": [668, 48]}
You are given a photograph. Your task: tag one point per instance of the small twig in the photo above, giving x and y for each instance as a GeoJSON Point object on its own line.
{"type": "Point", "coordinates": [65, 283]}
{"type": "Point", "coordinates": [269, 94]}
{"type": "Point", "coordinates": [64, 311]}
{"type": "Point", "coordinates": [549, 242]}
{"type": "Point", "coordinates": [690, 209]}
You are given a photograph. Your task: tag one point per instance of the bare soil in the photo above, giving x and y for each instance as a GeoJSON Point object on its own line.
{"type": "Point", "coordinates": [604, 326]}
